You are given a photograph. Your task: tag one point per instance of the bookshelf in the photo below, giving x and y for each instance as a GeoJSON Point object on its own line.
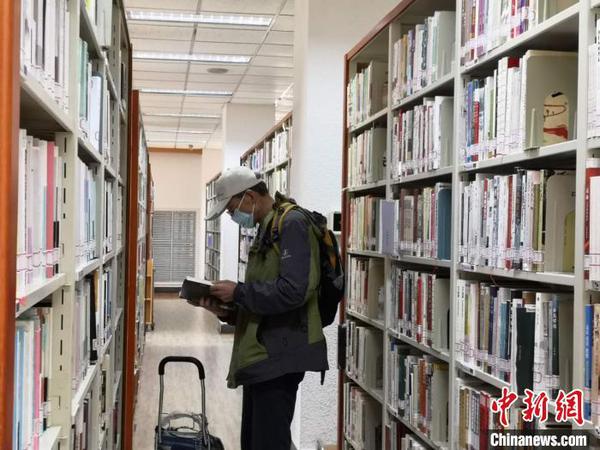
{"type": "Point", "coordinates": [414, 166]}
{"type": "Point", "coordinates": [270, 158]}
{"type": "Point", "coordinates": [212, 238]}
{"type": "Point", "coordinates": [149, 287]}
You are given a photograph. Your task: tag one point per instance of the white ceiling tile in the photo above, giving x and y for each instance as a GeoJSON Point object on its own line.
{"type": "Point", "coordinates": [149, 84]}
{"type": "Point", "coordinates": [253, 101]}
{"type": "Point", "coordinates": [151, 30]}
{"type": "Point", "coordinates": [280, 37]}
{"type": "Point", "coordinates": [273, 61]}
{"type": "Point", "coordinates": [198, 124]}
{"type": "Point", "coordinates": [214, 86]}
{"type": "Point", "coordinates": [184, 5]}
{"type": "Point", "coordinates": [244, 87]}
{"type": "Point", "coordinates": [140, 75]}
{"type": "Point", "coordinates": [215, 78]}
{"type": "Point", "coordinates": [206, 34]}
{"type": "Point", "coordinates": [289, 8]}
{"type": "Point", "coordinates": [225, 48]}
{"type": "Point", "coordinates": [267, 80]}
{"type": "Point", "coordinates": [202, 101]}
{"type": "Point", "coordinates": [168, 101]}
{"type": "Point", "coordinates": [160, 45]}
{"type": "Point", "coordinates": [284, 23]}
{"type": "Point", "coordinates": [160, 66]}
{"type": "Point", "coordinates": [160, 109]}
{"type": "Point", "coordinates": [275, 71]}
{"type": "Point", "coordinates": [231, 68]}
{"type": "Point", "coordinates": [276, 50]}
{"type": "Point", "coordinates": [242, 6]}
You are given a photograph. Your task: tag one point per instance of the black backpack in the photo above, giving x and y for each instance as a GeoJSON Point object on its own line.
{"type": "Point", "coordinates": [331, 288]}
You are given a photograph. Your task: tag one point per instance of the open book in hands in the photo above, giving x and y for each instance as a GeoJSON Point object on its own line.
{"type": "Point", "coordinates": [196, 289]}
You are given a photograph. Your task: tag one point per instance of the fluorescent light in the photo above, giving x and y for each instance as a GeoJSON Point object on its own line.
{"type": "Point", "coordinates": [187, 92]}
{"type": "Point", "coordinates": [206, 18]}
{"type": "Point", "coordinates": [181, 131]}
{"type": "Point", "coordinates": [187, 116]}
{"type": "Point", "coordinates": [197, 57]}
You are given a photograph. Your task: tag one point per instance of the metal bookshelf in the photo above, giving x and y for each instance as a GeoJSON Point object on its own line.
{"type": "Point", "coordinates": [41, 115]}
{"type": "Point", "coordinates": [266, 170]}
{"type": "Point", "coordinates": [570, 29]}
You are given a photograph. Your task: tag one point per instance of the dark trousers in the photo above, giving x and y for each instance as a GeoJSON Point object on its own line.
{"type": "Point", "coordinates": [267, 413]}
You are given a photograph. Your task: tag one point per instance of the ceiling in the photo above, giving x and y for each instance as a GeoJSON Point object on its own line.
{"type": "Point", "coordinates": [261, 81]}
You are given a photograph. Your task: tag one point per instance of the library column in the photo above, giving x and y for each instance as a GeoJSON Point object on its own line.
{"type": "Point", "coordinates": [324, 32]}
{"type": "Point", "coordinates": [243, 125]}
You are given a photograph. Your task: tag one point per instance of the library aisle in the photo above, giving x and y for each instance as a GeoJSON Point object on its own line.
{"type": "Point", "coordinates": [181, 329]}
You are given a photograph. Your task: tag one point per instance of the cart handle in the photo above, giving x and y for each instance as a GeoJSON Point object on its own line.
{"type": "Point", "coordinates": [185, 359]}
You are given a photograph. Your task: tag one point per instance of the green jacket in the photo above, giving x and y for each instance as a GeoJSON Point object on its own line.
{"type": "Point", "coordinates": [277, 322]}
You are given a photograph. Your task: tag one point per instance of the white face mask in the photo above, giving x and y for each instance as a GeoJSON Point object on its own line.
{"type": "Point", "coordinates": [243, 219]}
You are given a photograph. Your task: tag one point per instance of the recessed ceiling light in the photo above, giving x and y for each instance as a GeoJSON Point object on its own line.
{"type": "Point", "coordinates": [217, 70]}
{"type": "Point", "coordinates": [187, 92]}
{"type": "Point", "coordinates": [205, 18]}
{"type": "Point", "coordinates": [197, 57]}
{"type": "Point", "coordinates": [181, 131]}
{"type": "Point", "coordinates": [187, 116]}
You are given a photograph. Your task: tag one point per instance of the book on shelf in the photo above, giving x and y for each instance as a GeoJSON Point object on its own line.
{"type": "Point", "coordinates": [423, 55]}
{"type": "Point", "coordinates": [367, 91]}
{"type": "Point", "coordinates": [364, 355]}
{"type": "Point", "coordinates": [592, 222]}
{"type": "Point", "coordinates": [39, 210]}
{"type": "Point", "coordinates": [520, 337]}
{"type": "Point", "coordinates": [422, 138]}
{"type": "Point", "coordinates": [592, 363]}
{"type": "Point", "coordinates": [398, 438]}
{"type": "Point", "coordinates": [419, 307]}
{"type": "Point", "coordinates": [256, 160]}
{"type": "Point", "coordinates": [362, 417]}
{"type": "Point", "coordinates": [424, 221]}
{"type": "Point", "coordinates": [277, 148]}
{"type": "Point", "coordinates": [526, 103]}
{"type": "Point", "coordinates": [593, 120]}
{"type": "Point", "coordinates": [487, 24]}
{"type": "Point", "coordinates": [277, 181]}
{"type": "Point", "coordinates": [366, 156]}
{"type": "Point", "coordinates": [32, 372]}
{"type": "Point", "coordinates": [364, 232]}
{"type": "Point", "coordinates": [45, 46]}
{"type": "Point", "coordinates": [81, 429]}
{"type": "Point", "coordinates": [522, 221]}
{"type": "Point", "coordinates": [417, 387]}
{"type": "Point", "coordinates": [120, 216]}
{"type": "Point", "coordinates": [366, 291]}
{"type": "Point", "coordinates": [108, 216]}
{"type": "Point", "coordinates": [86, 245]}
{"type": "Point", "coordinates": [84, 329]}
{"type": "Point", "coordinates": [106, 307]}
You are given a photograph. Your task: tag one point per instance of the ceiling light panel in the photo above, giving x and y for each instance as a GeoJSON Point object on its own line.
{"type": "Point", "coordinates": [204, 18]}
{"type": "Point", "coordinates": [196, 57]}
{"type": "Point", "coordinates": [194, 132]}
{"type": "Point", "coordinates": [195, 93]}
{"type": "Point", "coordinates": [187, 116]}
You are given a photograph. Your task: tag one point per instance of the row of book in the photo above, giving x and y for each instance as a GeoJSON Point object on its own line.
{"type": "Point", "coordinates": [366, 287]}
{"type": "Point", "coordinates": [422, 138]}
{"type": "Point", "coordinates": [522, 337]}
{"type": "Point", "coordinates": [396, 438]}
{"type": "Point", "coordinates": [364, 355]}
{"type": "Point", "coordinates": [277, 181]}
{"type": "Point", "coordinates": [419, 307]}
{"type": "Point", "coordinates": [120, 216]}
{"type": "Point", "coordinates": [277, 149]}
{"type": "Point", "coordinates": [423, 55]}
{"type": "Point", "coordinates": [592, 222]}
{"type": "Point", "coordinates": [85, 208]}
{"type": "Point", "coordinates": [418, 390]}
{"type": "Point", "coordinates": [364, 231]}
{"type": "Point", "coordinates": [523, 221]}
{"type": "Point", "coordinates": [81, 429]}
{"type": "Point", "coordinates": [39, 207]}
{"type": "Point", "coordinates": [593, 123]}
{"type": "Point", "coordinates": [487, 24]}
{"type": "Point", "coordinates": [45, 32]}
{"type": "Point", "coordinates": [108, 216]}
{"type": "Point", "coordinates": [367, 91]}
{"type": "Point", "coordinates": [424, 220]}
{"type": "Point", "coordinates": [362, 418]}
{"type": "Point", "coordinates": [32, 371]}
{"type": "Point", "coordinates": [366, 157]}
{"type": "Point", "coordinates": [526, 103]}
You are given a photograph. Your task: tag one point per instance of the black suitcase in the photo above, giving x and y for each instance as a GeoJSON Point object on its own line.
{"type": "Point", "coordinates": [192, 437]}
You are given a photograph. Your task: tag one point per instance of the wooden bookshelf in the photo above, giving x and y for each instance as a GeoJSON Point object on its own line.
{"type": "Point", "coordinates": [212, 236]}
{"type": "Point", "coordinates": [27, 103]}
{"type": "Point", "coordinates": [265, 171]}
{"type": "Point", "coordinates": [571, 29]}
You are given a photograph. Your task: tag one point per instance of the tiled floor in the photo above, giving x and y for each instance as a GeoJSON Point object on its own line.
{"type": "Point", "coordinates": [181, 329]}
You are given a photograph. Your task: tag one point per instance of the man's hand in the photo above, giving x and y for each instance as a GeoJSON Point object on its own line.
{"type": "Point", "coordinates": [223, 290]}
{"type": "Point", "coordinates": [208, 304]}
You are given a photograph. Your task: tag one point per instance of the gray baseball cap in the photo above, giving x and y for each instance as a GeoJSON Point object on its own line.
{"type": "Point", "coordinates": [231, 182]}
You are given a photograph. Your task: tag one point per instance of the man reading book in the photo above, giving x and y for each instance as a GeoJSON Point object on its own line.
{"type": "Point", "coordinates": [278, 333]}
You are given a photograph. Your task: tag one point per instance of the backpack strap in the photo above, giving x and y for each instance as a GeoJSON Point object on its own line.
{"type": "Point", "coordinates": [277, 222]}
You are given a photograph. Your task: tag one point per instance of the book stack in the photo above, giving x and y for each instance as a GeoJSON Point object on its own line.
{"type": "Point", "coordinates": [93, 95]}
{"type": "Point", "coordinates": [32, 370]}
{"type": "Point", "coordinates": [526, 103]}
{"type": "Point", "coordinates": [419, 307]}
{"type": "Point", "coordinates": [423, 55]}
{"type": "Point", "coordinates": [364, 355]}
{"type": "Point", "coordinates": [422, 138]}
{"type": "Point", "coordinates": [424, 221]}
{"type": "Point", "coordinates": [396, 438]}
{"type": "Point", "coordinates": [487, 24]}
{"type": "Point", "coordinates": [593, 123]}
{"type": "Point", "coordinates": [362, 418]}
{"type": "Point", "coordinates": [39, 210]}
{"type": "Point", "coordinates": [364, 223]}
{"type": "Point", "coordinates": [366, 287]}
{"type": "Point", "coordinates": [277, 181]}
{"type": "Point", "coordinates": [418, 390]}
{"type": "Point", "coordinates": [84, 329]}
{"type": "Point", "coordinates": [45, 46]}
{"type": "Point", "coordinates": [86, 248]}
{"type": "Point", "coordinates": [523, 221]}
{"type": "Point", "coordinates": [108, 216]}
{"type": "Point", "coordinates": [367, 91]}
{"type": "Point", "coordinates": [517, 336]}
{"type": "Point", "coordinates": [366, 157]}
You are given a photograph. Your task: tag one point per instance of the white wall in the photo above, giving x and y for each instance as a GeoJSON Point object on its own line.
{"type": "Point", "coordinates": [243, 125]}
{"type": "Point", "coordinates": [177, 181]}
{"type": "Point", "coordinates": [324, 32]}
